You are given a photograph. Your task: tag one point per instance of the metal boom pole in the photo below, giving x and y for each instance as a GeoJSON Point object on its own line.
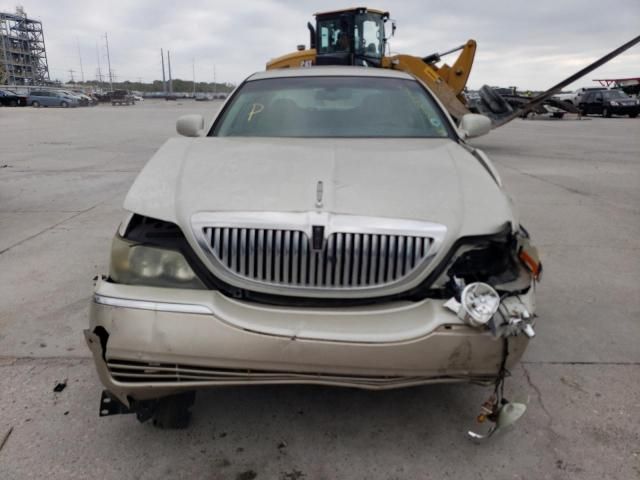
{"type": "Point", "coordinates": [106, 39]}
{"type": "Point", "coordinates": [164, 80]}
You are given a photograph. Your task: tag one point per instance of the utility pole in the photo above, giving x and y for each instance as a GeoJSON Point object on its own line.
{"type": "Point", "coordinates": [106, 39]}
{"type": "Point", "coordinates": [169, 66]}
{"type": "Point", "coordinates": [99, 69]}
{"type": "Point", "coordinates": [71, 72]}
{"type": "Point", "coordinates": [164, 80]}
{"type": "Point", "coordinates": [80, 57]}
{"type": "Point", "coordinates": [193, 67]}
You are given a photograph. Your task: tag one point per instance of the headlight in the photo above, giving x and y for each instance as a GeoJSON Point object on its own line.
{"type": "Point", "coordinates": [614, 104]}
{"type": "Point", "coordinates": [479, 303]}
{"type": "Point", "coordinates": [136, 264]}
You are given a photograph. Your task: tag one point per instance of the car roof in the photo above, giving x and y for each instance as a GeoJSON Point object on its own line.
{"type": "Point", "coordinates": [330, 71]}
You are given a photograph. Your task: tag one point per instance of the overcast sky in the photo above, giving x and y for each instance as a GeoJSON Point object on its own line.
{"type": "Point", "coordinates": [530, 44]}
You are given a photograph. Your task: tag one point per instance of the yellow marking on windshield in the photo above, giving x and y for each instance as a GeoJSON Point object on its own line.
{"type": "Point", "coordinates": [256, 108]}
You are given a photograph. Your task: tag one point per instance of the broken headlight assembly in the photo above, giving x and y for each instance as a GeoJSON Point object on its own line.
{"type": "Point", "coordinates": [490, 282]}
{"type": "Point", "coordinates": [139, 256]}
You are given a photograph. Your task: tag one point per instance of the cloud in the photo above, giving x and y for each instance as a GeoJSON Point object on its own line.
{"type": "Point", "coordinates": [529, 44]}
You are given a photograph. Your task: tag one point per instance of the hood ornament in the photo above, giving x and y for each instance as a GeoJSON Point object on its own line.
{"type": "Point", "coordinates": [319, 194]}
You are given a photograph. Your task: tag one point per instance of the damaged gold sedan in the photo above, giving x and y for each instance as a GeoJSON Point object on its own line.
{"type": "Point", "coordinates": [330, 227]}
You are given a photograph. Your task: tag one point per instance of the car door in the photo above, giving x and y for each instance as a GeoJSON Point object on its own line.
{"type": "Point", "coordinates": [53, 98]}
{"type": "Point", "coordinates": [42, 98]}
{"type": "Point", "coordinates": [597, 103]}
{"type": "Point", "coordinates": [584, 104]}
{"type": "Point", "coordinates": [34, 96]}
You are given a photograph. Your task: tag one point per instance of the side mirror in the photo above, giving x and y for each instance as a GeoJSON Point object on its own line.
{"type": "Point", "coordinates": [475, 125]}
{"type": "Point", "coordinates": [389, 29]}
{"type": "Point", "coordinates": [190, 125]}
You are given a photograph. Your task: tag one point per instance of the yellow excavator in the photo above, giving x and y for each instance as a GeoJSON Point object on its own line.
{"type": "Point", "coordinates": [359, 36]}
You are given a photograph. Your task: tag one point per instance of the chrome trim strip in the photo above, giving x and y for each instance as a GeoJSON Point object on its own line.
{"type": "Point", "coordinates": [153, 306]}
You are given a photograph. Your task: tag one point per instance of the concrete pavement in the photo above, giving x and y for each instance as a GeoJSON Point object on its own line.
{"type": "Point", "coordinates": [63, 176]}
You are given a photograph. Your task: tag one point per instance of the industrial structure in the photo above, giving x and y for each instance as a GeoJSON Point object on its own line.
{"type": "Point", "coordinates": [23, 56]}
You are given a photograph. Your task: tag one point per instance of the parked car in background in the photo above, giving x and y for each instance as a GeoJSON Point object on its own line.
{"type": "Point", "coordinates": [116, 97]}
{"type": "Point", "coordinates": [608, 103]}
{"type": "Point", "coordinates": [50, 98]}
{"type": "Point", "coordinates": [122, 97]}
{"type": "Point", "coordinates": [84, 99]}
{"type": "Point", "coordinates": [9, 98]}
{"type": "Point", "coordinates": [82, 102]}
{"type": "Point", "coordinates": [574, 98]}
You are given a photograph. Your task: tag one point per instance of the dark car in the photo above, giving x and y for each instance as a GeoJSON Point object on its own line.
{"type": "Point", "coordinates": [9, 98]}
{"type": "Point", "coordinates": [608, 103]}
{"type": "Point", "coordinates": [116, 97]}
{"type": "Point", "coordinates": [122, 97]}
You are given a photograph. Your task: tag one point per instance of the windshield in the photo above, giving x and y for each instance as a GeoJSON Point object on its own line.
{"type": "Point", "coordinates": [614, 94]}
{"type": "Point", "coordinates": [332, 107]}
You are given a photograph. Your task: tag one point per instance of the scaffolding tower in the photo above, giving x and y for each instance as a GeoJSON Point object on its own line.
{"type": "Point", "coordinates": [23, 56]}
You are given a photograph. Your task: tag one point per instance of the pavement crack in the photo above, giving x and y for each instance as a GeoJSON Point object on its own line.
{"type": "Point", "coordinates": [51, 227]}
{"type": "Point", "coordinates": [540, 400]}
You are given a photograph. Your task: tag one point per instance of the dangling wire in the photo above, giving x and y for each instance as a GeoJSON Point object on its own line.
{"type": "Point", "coordinates": [502, 373]}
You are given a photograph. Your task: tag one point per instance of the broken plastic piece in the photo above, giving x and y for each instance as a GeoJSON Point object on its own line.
{"type": "Point", "coordinates": [506, 414]}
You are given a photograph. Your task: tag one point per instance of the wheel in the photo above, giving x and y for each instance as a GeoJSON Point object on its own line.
{"type": "Point", "coordinates": [113, 103]}
{"type": "Point", "coordinates": [13, 103]}
{"type": "Point", "coordinates": [64, 104]}
{"type": "Point", "coordinates": [633, 115]}
{"type": "Point", "coordinates": [606, 113]}
{"type": "Point", "coordinates": [35, 104]}
{"type": "Point", "coordinates": [174, 412]}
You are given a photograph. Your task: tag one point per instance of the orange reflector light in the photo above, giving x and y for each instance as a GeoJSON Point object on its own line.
{"type": "Point", "coordinates": [531, 263]}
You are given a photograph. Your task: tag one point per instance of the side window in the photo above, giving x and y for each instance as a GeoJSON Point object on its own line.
{"type": "Point", "coordinates": [598, 97]}
{"type": "Point", "coordinates": [324, 38]}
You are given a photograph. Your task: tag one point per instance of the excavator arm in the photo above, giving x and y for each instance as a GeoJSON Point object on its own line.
{"type": "Point", "coordinates": [447, 82]}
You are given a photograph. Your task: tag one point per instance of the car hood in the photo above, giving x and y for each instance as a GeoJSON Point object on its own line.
{"type": "Point", "coordinates": [434, 180]}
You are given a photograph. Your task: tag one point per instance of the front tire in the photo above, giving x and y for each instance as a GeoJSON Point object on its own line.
{"type": "Point", "coordinates": [606, 113]}
{"type": "Point", "coordinates": [64, 104]}
{"type": "Point", "coordinates": [35, 104]}
{"type": "Point", "coordinates": [174, 412]}
{"type": "Point", "coordinates": [13, 103]}
{"type": "Point", "coordinates": [633, 115]}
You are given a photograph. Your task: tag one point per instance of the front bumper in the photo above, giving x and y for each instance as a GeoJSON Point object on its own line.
{"type": "Point", "coordinates": [625, 110]}
{"type": "Point", "coordinates": [151, 342]}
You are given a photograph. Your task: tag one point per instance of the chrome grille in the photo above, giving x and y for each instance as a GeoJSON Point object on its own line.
{"type": "Point", "coordinates": [346, 260]}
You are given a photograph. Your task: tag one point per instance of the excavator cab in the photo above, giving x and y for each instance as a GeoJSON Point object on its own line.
{"type": "Point", "coordinates": [350, 37]}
